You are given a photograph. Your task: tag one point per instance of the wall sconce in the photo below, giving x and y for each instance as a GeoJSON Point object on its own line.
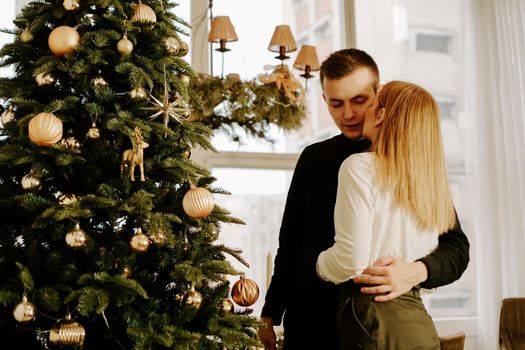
{"type": "Point", "coordinates": [282, 41]}
{"type": "Point", "coordinates": [307, 61]}
{"type": "Point", "coordinates": [222, 31]}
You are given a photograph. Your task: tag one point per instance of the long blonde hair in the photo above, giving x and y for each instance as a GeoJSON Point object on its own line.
{"type": "Point", "coordinates": [410, 160]}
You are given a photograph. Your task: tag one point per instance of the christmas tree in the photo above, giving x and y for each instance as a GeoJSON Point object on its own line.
{"type": "Point", "coordinates": [107, 226]}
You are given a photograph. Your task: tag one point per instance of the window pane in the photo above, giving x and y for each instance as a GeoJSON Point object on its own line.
{"type": "Point", "coordinates": [408, 42]}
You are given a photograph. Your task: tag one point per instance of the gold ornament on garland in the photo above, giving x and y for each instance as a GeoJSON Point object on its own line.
{"type": "Point", "coordinates": [67, 332]}
{"type": "Point", "coordinates": [26, 36]}
{"type": "Point", "coordinates": [285, 81]}
{"type": "Point", "coordinates": [198, 202]}
{"type": "Point", "coordinates": [193, 298]}
{"type": "Point", "coordinates": [245, 292]}
{"type": "Point", "coordinates": [25, 311]}
{"type": "Point", "coordinates": [71, 5]}
{"type": "Point", "coordinates": [76, 237]}
{"type": "Point", "coordinates": [139, 242]}
{"type": "Point", "coordinates": [138, 93]}
{"type": "Point", "coordinates": [45, 129]}
{"type": "Point", "coordinates": [124, 46]}
{"type": "Point", "coordinates": [93, 132]}
{"type": "Point", "coordinates": [227, 306]}
{"type": "Point", "coordinates": [29, 182]}
{"type": "Point", "coordinates": [143, 13]}
{"type": "Point", "coordinates": [172, 45]}
{"type": "Point", "coordinates": [63, 40]}
{"type": "Point", "coordinates": [7, 115]}
{"type": "Point", "coordinates": [43, 79]}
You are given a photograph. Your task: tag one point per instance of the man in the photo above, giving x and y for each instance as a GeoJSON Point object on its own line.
{"type": "Point", "coordinates": [350, 80]}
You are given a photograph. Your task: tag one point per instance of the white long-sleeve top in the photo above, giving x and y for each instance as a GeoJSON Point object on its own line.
{"type": "Point", "coordinates": [369, 225]}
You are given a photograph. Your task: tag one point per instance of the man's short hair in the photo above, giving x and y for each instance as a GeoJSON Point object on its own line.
{"type": "Point", "coordinates": [344, 62]}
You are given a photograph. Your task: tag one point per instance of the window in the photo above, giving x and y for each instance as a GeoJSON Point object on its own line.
{"type": "Point", "coordinates": [440, 43]}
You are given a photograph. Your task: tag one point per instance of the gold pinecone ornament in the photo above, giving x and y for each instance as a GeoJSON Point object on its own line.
{"type": "Point", "coordinates": [245, 292]}
{"type": "Point", "coordinates": [67, 332]}
{"type": "Point", "coordinates": [25, 311]}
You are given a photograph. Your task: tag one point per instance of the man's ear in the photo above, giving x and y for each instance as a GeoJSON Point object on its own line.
{"type": "Point", "coordinates": [380, 117]}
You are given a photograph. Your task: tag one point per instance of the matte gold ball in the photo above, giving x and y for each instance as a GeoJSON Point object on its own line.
{"type": "Point", "coordinates": [245, 292]}
{"type": "Point", "coordinates": [172, 45]}
{"type": "Point", "coordinates": [198, 202]}
{"type": "Point", "coordinates": [143, 13]}
{"type": "Point", "coordinates": [76, 237]}
{"type": "Point", "coordinates": [63, 40]}
{"type": "Point", "coordinates": [139, 242]}
{"type": "Point", "coordinates": [124, 46]}
{"type": "Point", "coordinates": [67, 333]}
{"type": "Point", "coordinates": [193, 298]}
{"type": "Point", "coordinates": [26, 36]}
{"type": "Point", "coordinates": [25, 311]}
{"type": "Point", "coordinates": [45, 129]}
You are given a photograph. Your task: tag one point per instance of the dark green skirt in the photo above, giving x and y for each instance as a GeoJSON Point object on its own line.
{"type": "Point", "coordinates": [399, 324]}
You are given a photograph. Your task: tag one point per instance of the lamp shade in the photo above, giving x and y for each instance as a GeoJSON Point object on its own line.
{"type": "Point", "coordinates": [222, 29]}
{"type": "Point", "coordinates": [282, 37]}
{"type": "Point", "coordinates": [307, 57]}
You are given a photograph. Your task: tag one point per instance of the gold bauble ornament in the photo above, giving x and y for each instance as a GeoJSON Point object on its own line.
{"type": "Point", "coordinates": [198, 202]}
{"type": "Point", "coordinates": [245, 292]}
{"type": "Point", "coordinates": [93, 132]}
{"type": "Point", "coordinates": [227, 306]}
{"type": "Point", "coordinates": [67, 332]}
{"type": "Point", "coordinates": [63, 40]}
{"type": "Point", "coordinates": [26, 36]}
{"type": "Point", "coordinates": [99, 82]}
{"type": "Point", "coordinates": [43, 79]}
{"type": "Point", "coordinates": [143, 13]}
{"type": "Point", "coordinates": [184, 49]}
{"type": "Point", "coordinates": [124, 46]}
{"type": "Point", "coordinates": [172, 45]}
{"type": "Point", "coordinates": [139, 242]}
{"type": "Point", "coordinates": [70, 142]}
{"type": "Point", "coordinates": [138, 93]}
{"type": "Point", "coordinates": [30, 182]}
{"type": "Point", "coordinates": [67, 199]}
{"type": "Point", "coordinates": [76, 237]}
{"type": "Point", "coordinates": [213, 233]}
{"type": "Point", "coordinates": [45, 129]}
{"type": "Point", "coordinates": [25, 311]}
{"type": "Point", "coordinates": [186, 154]}
{"type": "Point", "coordinates": [7, 115]}
{"type": "Point", "coordinates": [71, 5]}
{"type": "Point", "coordinates": [193, 298]}
{"type": "Point", "coordinates": [185, 79]}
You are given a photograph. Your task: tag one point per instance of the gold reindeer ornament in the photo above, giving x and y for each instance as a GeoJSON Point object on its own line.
{"type": "Point", "coordinates": [135, 156]}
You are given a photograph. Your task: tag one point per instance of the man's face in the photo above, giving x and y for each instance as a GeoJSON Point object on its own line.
{"type": "Point", "coordinates": [348, 99]}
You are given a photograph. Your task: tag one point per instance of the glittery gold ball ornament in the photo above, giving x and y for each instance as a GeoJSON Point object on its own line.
{"type": "Point", "coordinates": [7, 115]}
{"type": "Point", "coordinates": [193, 298]}
{"type": "Point", "coordinates": [143, 13]}
{"type": "Point", "coordinates": [29, 182]}
{"type": "Point", "coordinates": [245, 292]}
{"type": "Point", "coordinates": [93, 132]}
{"type": "Point", "coordinates": [26, 36]}
{"type": "Point", "coordinates": [139, 242]}
{"type": "Point", "coordinates": [227, 306]}
{"type": "Point", "coordinates": [45, 129]}
{"type": "Point", "coordinates": [76, 237]}
{"type": "Point", "coordinates": [138, 93]}
{"type": "Point", "coordinates": [99, 82]}
{"type": "Point", "coordinates": [63, 40]}
{"type": "Point", "coordinates": [25, 311]}
{"type": "Point", "coordinates": [172, 45]}
{"type": "Point", "coordinates": [43, 79]}
{"type": "Point", "coordinates": [67, 332]}
{"type": "Point", "coordinates": [198, 202]}
{"type": "Point", "coordinates": [124, 46]}
{"type": "Point", "coordinates": [184, 49]}
{"type": "Point", "coordinates": [71, 5]}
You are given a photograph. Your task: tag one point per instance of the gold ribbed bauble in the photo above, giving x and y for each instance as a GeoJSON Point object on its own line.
{"type": "Point", "coordinates": [26, 36]}
{"type": "Point", "coordinates": [139, 242]}
{"type": "Point", "coordinates": [198, 202]}
{"type": "Point", "coordinates": [45, 129]}
{"type": "Point", "coordinates": [124, 46]}
{"type": "Point", "coordinates": [63, 40]}
{"type": "Point", "coordinates": [25, 311]}
{"type": "Point", "coordinates": [67, 333]}
{"type": "Point", "coordinates": [193, 298]}
{"type": "Point", "coordinates": [44, 79]}
{"type": "Point", "coordinates": [245, 292]}
{"type": "Point", "coordinates": [76, 237]}
{"type": "Point", "coordinates": [30, 182]}
{"type": "Point", "coordinates": [143, 13]}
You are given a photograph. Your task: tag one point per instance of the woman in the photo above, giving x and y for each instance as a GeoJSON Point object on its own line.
{"type": "Point", "coordinates": [391, 202]}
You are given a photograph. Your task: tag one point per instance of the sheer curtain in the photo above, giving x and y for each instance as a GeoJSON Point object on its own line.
{"type": "Point", "coordinates": [497, 103]}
